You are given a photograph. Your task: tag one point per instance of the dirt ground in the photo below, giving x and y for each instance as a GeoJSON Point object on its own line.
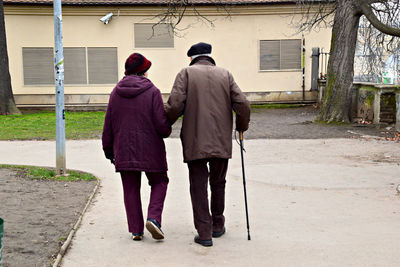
{"type": "Point", "coordinates": [298, 123]}
{"type": "Point", "coordinates": [40, 214]}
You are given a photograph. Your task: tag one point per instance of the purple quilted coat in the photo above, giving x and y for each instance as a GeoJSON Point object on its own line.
{"type": "Point", "coordinates": [135, 125]}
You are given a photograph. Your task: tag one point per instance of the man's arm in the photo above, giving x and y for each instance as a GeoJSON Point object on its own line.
{"type": "Point", "coordinates": [240, 105]}
{"type": "Point", "coordinates": [177, 100]}
{"type": "Point", "coordinates": [163, 127]}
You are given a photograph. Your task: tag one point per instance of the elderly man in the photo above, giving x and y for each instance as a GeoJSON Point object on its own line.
{"type": "Point", "coordinates": [206, 95]}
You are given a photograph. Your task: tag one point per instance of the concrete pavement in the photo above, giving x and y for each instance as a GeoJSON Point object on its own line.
{"type": "Point", "coordinates": [311, 203]}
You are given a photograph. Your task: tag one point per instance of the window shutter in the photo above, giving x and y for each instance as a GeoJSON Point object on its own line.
{"type": "Point", "coordinates": [38, 65]}
{"type": "Point", "coordinates": [75, 65]}
{"type": "Point", "coordinates": [269, 55]}
{"type": "Point", "coordinates": [102, 65]}
{"type": "Point", "coordinates": [161, 35]}
{"type": "Point", "coordinates": [290, 54]}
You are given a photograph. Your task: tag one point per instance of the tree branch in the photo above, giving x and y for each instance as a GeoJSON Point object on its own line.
{"type": "Point", "coordinates": [176, 10]}
{"type": "Point", "coordinates": [369, 14]}
{"type": "Point", "coordinates": [313, 15]}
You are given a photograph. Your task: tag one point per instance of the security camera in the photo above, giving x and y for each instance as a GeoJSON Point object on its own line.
{"type": "Point", "coordinates": [106, 19]}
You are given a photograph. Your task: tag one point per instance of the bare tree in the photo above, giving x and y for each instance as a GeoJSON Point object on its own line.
{"type": "Point", "coordinates": [7, 103]}
{"type": "Point", "coordinates": [344, 16]}
{"type": "Point", "coordinates": [176, 10]}
{"type": "Point", "coordinates": [374, 50]}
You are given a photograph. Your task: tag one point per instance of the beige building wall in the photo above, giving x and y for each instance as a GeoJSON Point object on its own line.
{"type": "Point", "coordinates": [235, 43]}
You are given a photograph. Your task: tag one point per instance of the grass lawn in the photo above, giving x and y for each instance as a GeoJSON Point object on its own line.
{"type": "Point", "coordinates": [42, 173]}
{"type": "Point", "coordinates": [41, 126]}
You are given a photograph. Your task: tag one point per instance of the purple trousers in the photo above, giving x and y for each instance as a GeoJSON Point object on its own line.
{"type": "Point", "coordinates": [204, 222]}
{"type": "Point", "coordinates": [131, 181]}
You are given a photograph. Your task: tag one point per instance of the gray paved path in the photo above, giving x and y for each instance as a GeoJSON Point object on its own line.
{"type": "Point", "coordinates": [312, 203]}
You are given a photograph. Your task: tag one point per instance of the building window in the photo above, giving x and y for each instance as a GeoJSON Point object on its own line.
{"type": "Point", "coordinates": [75, 65]}
{"type": "Point", "coordinates": [38, 65]}
{"type": "Point", "coordinates": [82, 66]}
{"type": "Point", "coordinates": [148, 35]}
{"type": "Point", "coordinates": [280, 54]}
{"type": "Point", "coordinates": [103, 65]}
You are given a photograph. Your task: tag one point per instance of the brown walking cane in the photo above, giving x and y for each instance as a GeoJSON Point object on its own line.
{"type": "Point", "coordinates": [244, 184]}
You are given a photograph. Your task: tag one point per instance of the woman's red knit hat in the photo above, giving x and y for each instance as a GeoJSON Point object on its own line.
{"type": "Point", "coordinates": [136, 64]}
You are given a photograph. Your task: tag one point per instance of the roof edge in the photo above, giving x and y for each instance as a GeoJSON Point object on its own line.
{"type": "Point", "coordinates": [88, 4]}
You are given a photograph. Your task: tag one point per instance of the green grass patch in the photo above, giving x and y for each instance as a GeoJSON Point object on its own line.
{"type": "Point", "coordinates": [275, 106]}
{"type": "Point", "coordinates": [41, 126]}
{"type": "Point", "coordinates": [41, 173]}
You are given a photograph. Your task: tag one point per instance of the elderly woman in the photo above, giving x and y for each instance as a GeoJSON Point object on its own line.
{"type": "Point", "coordinates": [134, 127]}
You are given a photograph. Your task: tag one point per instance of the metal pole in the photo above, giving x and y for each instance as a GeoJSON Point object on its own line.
{"type": "Point", "coordinates": [396, 67]}
{"type": "Point", "coordinates": [304, 67]}
{"type": "Point", "coordinates": [244, 185]}
{"type": "Point", "coordinates": [59, 73]}
{"type": "Point", "coordinates": [315, 68]}
{"type": "Point", "coordinates": [322, 63]}
{"type": "Point", "coordinates": [326, 64]}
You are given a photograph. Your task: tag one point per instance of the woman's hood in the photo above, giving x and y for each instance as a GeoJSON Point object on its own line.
{"type": "Point", "coordinates": [132, 86]}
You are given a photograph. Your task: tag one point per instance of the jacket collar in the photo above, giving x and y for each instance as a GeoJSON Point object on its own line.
{"type": "Point", "coordinates": [203, 60]}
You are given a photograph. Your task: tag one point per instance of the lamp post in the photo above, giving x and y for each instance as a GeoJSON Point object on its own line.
{"type": "Point", "coordinates": [59, 74]}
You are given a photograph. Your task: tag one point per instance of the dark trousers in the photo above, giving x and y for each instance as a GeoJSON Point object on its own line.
{"type": "Point", "coordinates": [204, 222]}
{"type": "Point", "coordinates": [131, 181]}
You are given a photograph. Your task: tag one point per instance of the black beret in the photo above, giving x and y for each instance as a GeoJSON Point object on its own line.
{"type": "Point", "coordinates": [198, 49]}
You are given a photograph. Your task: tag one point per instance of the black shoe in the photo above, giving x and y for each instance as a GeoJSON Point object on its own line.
{"type": "Point", "coordinates": [137, 236]}
{"type": "Point", "coordinates": [218, 234]}
{"type": "Point", "coordinates": [205, 243]}
{"type": "Point", "coordinates": [155, 229]}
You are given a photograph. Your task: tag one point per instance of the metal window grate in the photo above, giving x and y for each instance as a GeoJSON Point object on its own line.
{"type": "Point", "coordinates": [280, 54]}
{"type": "Point", "coordinates": [270, 55]}
{"type": "Point", "coordinates": [150, 35]}
{"type": "Point", "coordinates": [75, 65]}
{"type": "Point", "coordinates": [290, 54]}
{"type": "Point", "coordinates": [102, 65]}
{"type": "Point", "coordinates": [38, 65]}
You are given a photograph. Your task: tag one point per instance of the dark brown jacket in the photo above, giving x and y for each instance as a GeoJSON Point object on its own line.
{"type": "Point", "coordinates": [206, 95]}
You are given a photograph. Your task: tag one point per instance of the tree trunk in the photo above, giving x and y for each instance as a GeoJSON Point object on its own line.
{"type": "Point", "coordinates": [7, 103]}
{"type": "Point", "coordinates": [336, 105]}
